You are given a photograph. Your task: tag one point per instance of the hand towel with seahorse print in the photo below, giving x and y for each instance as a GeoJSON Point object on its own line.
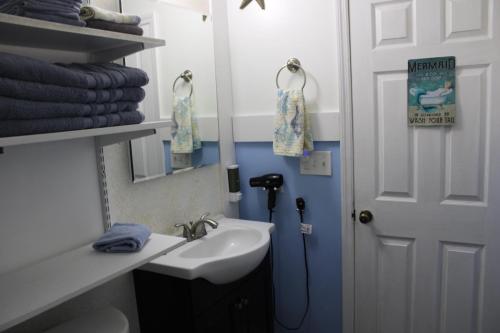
{"type": "Point", "coordinates": [184, 128]}
{"type": "Point", "coordinates": [292, 133]}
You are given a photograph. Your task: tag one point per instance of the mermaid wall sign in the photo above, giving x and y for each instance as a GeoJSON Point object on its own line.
{"type": "Point", "coordinates": [431, 92]}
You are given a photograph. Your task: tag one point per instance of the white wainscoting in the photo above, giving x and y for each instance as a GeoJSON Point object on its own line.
{"type": "Point", "coordinates": [260, 127]}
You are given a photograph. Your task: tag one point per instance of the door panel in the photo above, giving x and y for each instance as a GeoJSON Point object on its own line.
{"type": "Point", "coordinates": [395, 143]}
{"type": "Point", "coordinates": [460, 297]}
{"type": "Point", "coordinates": [395, 283]}
{"type": "Point", "coordinates": [427, 263]}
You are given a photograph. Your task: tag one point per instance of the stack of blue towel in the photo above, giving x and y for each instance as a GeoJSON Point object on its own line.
{"type": "Point", "coordinates": [60, 11]}
{"type": "Point", "coordinates": [39, 97]}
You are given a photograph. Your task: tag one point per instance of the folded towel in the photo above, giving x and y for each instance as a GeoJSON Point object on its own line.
{"type": "Point", "coordinates": [67, 15]}
{"type": "Point", "coordinates": [35, 91]}
{"type": "Point", "coordinates": [34, 70]}
{"type": "Point", "coordinates": [12, 9]}
{"type": "Point", "coordinates": [8, 6]}
{"type": "Point", "coordinates": [184, 129]}
{"type": "Point", "coordinates": [128, 118]}
{"type": "Point", "coordinates": [63, 3]}
{"type": "Point", "coordinates": [111, 75]}
{"type": "Point", "coordinates": [54, 18]}
{"type": "Point", "coordinates": [88, 76]}
{"type": "Point", "coordinates": [133, 77]}
{"type": "Point", "coordinates": [17, 109]}
{"type": "Point", "coordinates": [46, 7]}
{"type": "Point", "coordinates": [123, 238]}
{"type": "Point", "coordinates": [65, 12]}
{"type": "Point", "coordinates": [4, 3]}
{"type": "Point", "coordinates": [39, 126]}
{"type": "Point", "coordinates": [118, 119]}
{"type": "Point", "coordinates": [96, 13]}
{"type": "Point", "coordinates": [292, 135]}
{"type": "Point", "coordinates": [118, 27]}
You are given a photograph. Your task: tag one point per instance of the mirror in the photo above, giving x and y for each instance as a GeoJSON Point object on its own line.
{"type": "Point", "coordinates": [188, 60]}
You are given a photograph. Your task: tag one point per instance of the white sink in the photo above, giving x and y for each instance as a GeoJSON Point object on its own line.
{"type": "Point", "coordinates": [226, 254]}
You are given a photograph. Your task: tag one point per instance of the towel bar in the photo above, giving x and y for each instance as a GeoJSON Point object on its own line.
{"type": "Point", "coordinates": [187, 76]}
{"type": "Point", "coordinates": [293, 65]}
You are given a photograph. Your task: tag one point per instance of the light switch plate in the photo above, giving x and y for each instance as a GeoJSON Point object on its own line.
{"type": "Point", "coordinates": [318, 163]}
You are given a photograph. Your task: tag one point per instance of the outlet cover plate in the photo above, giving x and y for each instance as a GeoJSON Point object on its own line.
{"type": "Point", "coordinates": [181, 161]}
{"type": "Point", "coordinates": [318, 163]}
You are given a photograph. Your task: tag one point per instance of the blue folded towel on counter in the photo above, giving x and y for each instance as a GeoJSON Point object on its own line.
{"type": "Point", "coordinates": [17, 109]}
{"type": "Point", "coordinates": [87, 76]}
{"type": "Point", "coordinates": [123, 238]}
{"type": "Point", "coordinates": [35, 91]}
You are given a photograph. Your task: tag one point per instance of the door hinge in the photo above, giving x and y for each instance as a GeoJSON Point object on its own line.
{"type": "Point", "coordinates": [353, 215]}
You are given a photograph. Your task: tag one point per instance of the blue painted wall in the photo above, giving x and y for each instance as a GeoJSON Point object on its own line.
{"type": "Point", "coordinates": [208, 155]}
{"type": "Point", "coordinates": [323, 204]}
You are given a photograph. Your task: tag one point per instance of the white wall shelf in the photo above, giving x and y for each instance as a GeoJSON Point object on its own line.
{"type": "Point", "coordinates": [44, 285]}
{"type": "Point", "coordinates": [105, 136]}
{"type": "Point", "coordinates": [102, 45]}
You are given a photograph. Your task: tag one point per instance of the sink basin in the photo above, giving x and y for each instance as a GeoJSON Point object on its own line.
{"type": "Point", "coordinates": [226, 254]}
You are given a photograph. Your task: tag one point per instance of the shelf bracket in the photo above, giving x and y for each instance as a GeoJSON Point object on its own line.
{"type": "Point", "coordinates": [107, 140]}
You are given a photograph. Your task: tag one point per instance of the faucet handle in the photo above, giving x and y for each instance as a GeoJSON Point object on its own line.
{"type": "Point", "coordinates": [186, 233]}
{"type": "Point", "coordinates": [204, 216]}
{"type": "Point", "coordinates": [183, 225]}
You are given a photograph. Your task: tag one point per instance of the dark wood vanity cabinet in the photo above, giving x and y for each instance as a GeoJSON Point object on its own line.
{"type": "Point", "coordinates": [172, 305]}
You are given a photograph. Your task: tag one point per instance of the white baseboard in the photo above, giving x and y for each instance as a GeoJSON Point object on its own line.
{"type": "Point", "coordinates": [259, 128]}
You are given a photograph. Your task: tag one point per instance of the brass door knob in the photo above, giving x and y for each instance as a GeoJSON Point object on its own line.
{"type": "Point", "coordinates": [365, 217]}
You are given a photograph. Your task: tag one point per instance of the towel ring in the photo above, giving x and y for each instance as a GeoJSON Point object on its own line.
{"type": "Point", "coordinates": [187, 76]}
{"type": "Point", "coordinates": [293, 65]}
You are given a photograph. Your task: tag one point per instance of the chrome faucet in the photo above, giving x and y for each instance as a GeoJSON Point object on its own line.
{"type": "Point", "coordinates": [193, 231]}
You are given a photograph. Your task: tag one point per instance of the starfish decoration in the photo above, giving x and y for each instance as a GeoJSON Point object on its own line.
{"type": "Point", "coordinates": [245, 3]}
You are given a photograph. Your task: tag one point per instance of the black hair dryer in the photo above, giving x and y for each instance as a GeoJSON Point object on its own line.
{"type": "Point", "coordinates": [271, 183]}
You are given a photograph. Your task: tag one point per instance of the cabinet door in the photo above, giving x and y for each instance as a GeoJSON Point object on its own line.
{"type": "Point", "coordinates": [256, 313]}
{"type": "Point", "coordinates": [218, 319]}
{"type": "Point", "coordinates": [240, 316]}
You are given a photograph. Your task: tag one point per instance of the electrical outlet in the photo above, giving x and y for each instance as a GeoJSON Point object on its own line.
{"type": "Point", "coordinates": [306, 229]}
{"type": "Point", "coordinates": [317, 163]}
{"type": "Point", "coordinates": [181, 161]}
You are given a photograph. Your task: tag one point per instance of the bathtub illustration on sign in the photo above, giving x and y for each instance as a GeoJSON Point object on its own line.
{"type": "Point", "coordinates": [429, 100]}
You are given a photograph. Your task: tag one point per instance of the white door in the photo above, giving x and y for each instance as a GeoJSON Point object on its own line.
{"type": "Point", "coordinates": [429, 261]}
